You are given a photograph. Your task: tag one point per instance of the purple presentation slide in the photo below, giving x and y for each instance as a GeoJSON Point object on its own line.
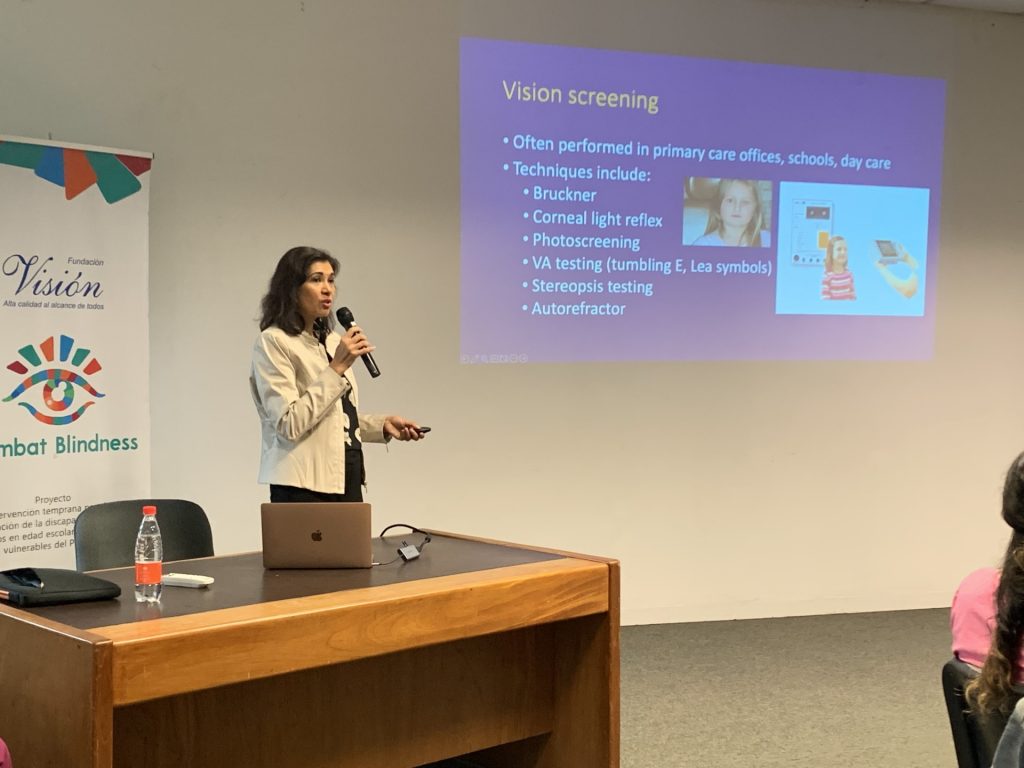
{"type": "Point", "coordinates": [631, 206]}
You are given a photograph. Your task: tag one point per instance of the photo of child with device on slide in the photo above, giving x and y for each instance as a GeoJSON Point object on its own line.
{"type": "Point", "coordinates": [838, 280]}
{"type": "Point", "coordinates": [846, 249]}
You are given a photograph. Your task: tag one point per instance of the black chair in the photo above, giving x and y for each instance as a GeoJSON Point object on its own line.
{"type": "Point", "coordinates": [105, 533]}
{"type": "Point", "coordinates": [975, 736]}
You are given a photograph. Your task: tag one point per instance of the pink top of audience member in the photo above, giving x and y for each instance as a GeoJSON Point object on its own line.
{"type": "Point", "coordinates": [972, 619]}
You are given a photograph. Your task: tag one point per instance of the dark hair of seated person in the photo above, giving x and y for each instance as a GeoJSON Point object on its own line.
{"type": "Point", "coordinates": [993, 689]}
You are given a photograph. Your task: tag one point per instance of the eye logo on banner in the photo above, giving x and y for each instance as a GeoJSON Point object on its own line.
{"type": "Point", "coordinates": [59, 383]}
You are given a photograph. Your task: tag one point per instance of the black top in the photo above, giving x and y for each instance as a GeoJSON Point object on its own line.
{"type": "Point", "coordinates": [352, 441]}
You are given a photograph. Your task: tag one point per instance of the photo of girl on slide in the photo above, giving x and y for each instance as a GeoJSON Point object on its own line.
{"type": "Point", "coordinates": [733, 212]}
{"type": "Point", "coordinates": [838, 280]}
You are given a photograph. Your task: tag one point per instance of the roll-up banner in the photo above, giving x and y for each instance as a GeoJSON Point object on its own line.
{"type": "Point", "coordinates": [74, 340]}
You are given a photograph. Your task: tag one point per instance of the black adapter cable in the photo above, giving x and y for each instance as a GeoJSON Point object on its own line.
{"type": "Point", "coordinates": [407, 551]}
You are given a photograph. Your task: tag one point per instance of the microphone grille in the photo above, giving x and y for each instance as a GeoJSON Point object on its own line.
{"type": "Point", "coordinates": [345, 317]}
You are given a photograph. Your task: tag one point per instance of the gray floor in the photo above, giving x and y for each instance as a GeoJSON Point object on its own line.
{"type": "Point", "coordinates": [845, 691]}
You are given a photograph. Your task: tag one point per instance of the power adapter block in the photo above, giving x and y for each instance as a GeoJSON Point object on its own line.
{"type": "Point", "coordinates": [408, 552]}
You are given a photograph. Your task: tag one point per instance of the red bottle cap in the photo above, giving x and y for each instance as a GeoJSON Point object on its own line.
{"type": "Point", "coordinates": [149, 509]}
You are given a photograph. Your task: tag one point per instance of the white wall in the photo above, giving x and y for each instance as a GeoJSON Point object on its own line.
{"type": "Point", "coordinates": [336, 124]}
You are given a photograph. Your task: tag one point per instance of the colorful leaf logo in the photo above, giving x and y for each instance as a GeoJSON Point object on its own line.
{"type": "Point", "coordinates": [78, 169]}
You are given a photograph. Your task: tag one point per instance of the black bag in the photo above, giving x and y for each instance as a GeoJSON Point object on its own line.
{"type": "Point", "coordinates": [29, 587]}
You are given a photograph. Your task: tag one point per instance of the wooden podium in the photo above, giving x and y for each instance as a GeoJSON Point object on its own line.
{"type": "Point", "coordinates": [510, 653]}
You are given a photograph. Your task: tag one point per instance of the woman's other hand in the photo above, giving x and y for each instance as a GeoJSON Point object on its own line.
{"type": "Point", "coordinates": [402, 429]}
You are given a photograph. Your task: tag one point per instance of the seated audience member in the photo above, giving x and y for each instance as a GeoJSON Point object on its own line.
{"type": "Point", "coordinates": [987, 617]}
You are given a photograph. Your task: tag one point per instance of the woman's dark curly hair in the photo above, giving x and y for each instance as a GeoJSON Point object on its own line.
{"type": "Point", "coordinates": [992, 690]}
{"type": "Point", "coordinates": [280, 306]}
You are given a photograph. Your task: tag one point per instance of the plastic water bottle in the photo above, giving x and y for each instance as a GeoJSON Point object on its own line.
{"type": "Point", "coordinates": [149, 559]}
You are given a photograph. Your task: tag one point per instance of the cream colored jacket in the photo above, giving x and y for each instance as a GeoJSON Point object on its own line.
{"type": "Point", "coordinates": [298, 398]}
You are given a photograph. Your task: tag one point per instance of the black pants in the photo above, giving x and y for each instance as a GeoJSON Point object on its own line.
{"type": "Point", "coordinates": [354, 475]}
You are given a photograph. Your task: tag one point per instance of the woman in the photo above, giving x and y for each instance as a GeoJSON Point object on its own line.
{"type": "Point", "coordinates": [838, 280]}
{"type": "Point", "coordinates": [737, 217]}
{"type": "Point", "coordinates": [987, 617]}
{"type": "Point", "coordinates": [304, 389]}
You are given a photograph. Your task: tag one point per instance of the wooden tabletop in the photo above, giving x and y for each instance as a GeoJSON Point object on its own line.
{"type": "Point", "coordinates": [241, 580]}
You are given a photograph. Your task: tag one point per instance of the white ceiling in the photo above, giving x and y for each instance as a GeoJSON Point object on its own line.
{"type": "Point", "coordinates": [1002, 6]}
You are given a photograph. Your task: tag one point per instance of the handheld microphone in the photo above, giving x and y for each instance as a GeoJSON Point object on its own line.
{"type": "Point", "coordinates": [347, 321]}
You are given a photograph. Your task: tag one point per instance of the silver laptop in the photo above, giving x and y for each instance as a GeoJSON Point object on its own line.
{"type": "Point", "coordinates": [316, 535]}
